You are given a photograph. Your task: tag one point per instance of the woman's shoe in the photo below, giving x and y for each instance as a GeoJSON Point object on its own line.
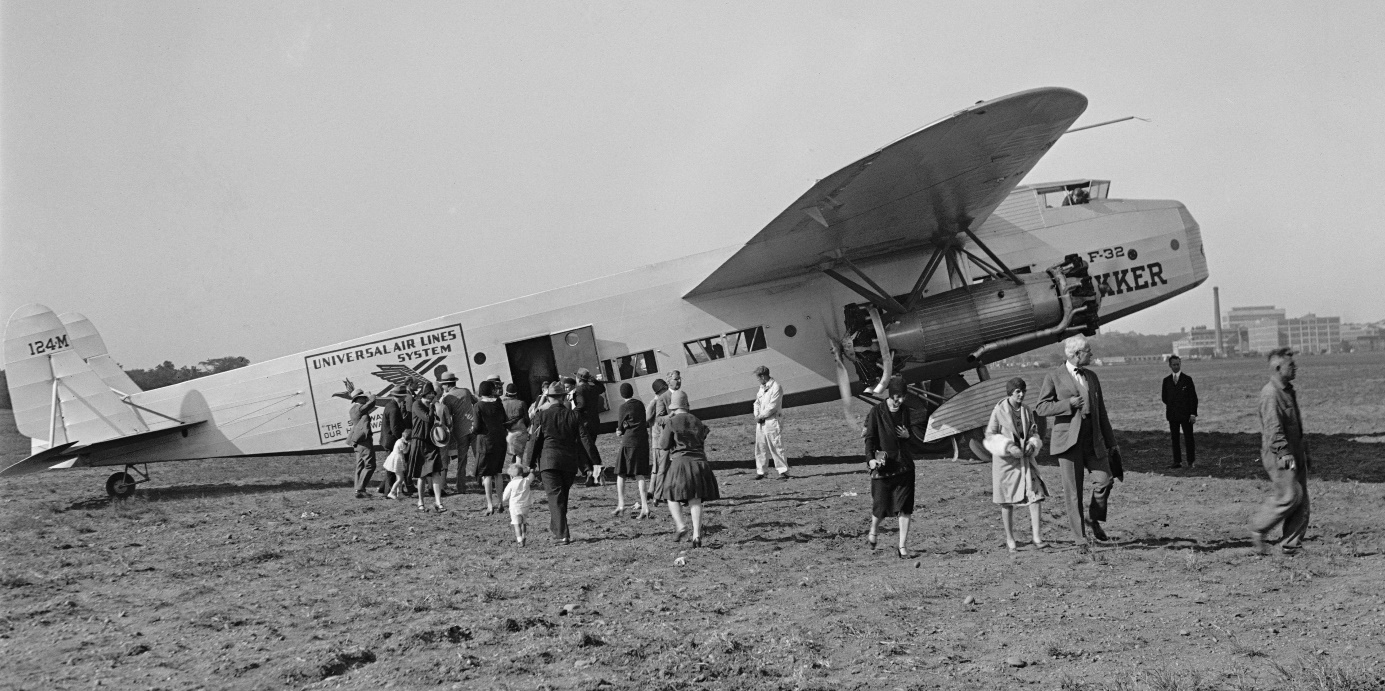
{"type": "Point", "coordinates": [422, 507]}
{"type": "Point", "coordinates": [906, 554]}
{"type": "Point", "coordinates": [1010, 545]}
{"type": "Point", "coordinates": [696, 542]}
{"type": "Point", "coordinates": [1039, 544]}
{"type": "Point", "coordinates": [642, 515]}
{"type": "Point", "coordinates": [439, 508]}
{"type": "Point", "coordinates": [619, 510]}
{"type": "Point", "coordinates": [870, 540]}
{"type": "Point", "coordinates": [391, 495]}
{"type": "Point", "coordinates": [678, 536]}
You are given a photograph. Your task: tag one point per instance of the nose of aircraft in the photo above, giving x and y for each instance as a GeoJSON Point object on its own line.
{"type": "Point", "coordinates": [1195, 250]}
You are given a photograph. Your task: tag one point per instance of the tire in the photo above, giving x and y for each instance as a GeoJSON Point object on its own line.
{"type": "Point", "coordinates": [120, 485]}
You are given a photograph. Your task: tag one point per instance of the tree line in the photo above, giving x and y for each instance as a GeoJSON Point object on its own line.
{"type": "Point", "coordinates": [160, 375]}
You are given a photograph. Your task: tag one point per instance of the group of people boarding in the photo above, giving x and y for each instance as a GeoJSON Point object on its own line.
{"type": "Point", "coordinates": [553, 440]}
{"type": "Point", "coordinates": [661, 448]}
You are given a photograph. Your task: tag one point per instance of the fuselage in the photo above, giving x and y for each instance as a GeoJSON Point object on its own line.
{"type": "Point", "coordinates": [637, 326]}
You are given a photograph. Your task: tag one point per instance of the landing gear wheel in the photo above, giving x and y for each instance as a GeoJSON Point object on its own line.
{"type": "Point", "coordinates": [120, 485]}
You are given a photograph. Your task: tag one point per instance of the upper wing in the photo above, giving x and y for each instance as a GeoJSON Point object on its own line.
{"type": "Point", "coordinates": [948, 175]}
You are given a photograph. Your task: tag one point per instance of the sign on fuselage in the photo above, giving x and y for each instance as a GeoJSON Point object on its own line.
{"type": "Point", "coordinates": [375, 367]}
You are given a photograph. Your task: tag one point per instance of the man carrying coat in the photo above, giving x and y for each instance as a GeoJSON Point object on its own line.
{"type": "Point", "coordinates": [1180, 408]}
{"type": "Point", "coordinates": [1082, 439]}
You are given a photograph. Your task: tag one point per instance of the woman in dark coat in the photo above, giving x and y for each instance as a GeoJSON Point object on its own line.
{"type": "Point", "coordinates": [424, 457]}
{"type": "Point", "coordinates": [689, 479]}
{"type": "Point", "coordinates": [557, 451]}
{"type": "Point", "coordinates": [490, 443]}
{"type": "Point", "coordinates": [633, 461]}
{"type": "Point", "coordinates": [891, 465]}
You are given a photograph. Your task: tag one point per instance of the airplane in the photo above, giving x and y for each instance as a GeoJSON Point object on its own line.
{"type": "Point", "coordinates": [926, 259]}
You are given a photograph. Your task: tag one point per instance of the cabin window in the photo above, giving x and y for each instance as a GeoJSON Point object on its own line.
{"type": "Point", "coordinates": [745, 341]}
{"type": "Point", "coordinates": [726, 345]}
{"type": "Point", "coordinates": [629, 366]}
{"type": "Point", "coordinates": [704, 350]}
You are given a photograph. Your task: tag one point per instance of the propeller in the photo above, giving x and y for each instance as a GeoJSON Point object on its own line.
{"type": "Point", "coordinates": [843, 381]}
{"type": "Point", "coordinates": [886, 357]}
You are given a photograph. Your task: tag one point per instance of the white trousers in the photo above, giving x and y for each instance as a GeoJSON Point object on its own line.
{"type": "Point", "coordinates": [769, 444]}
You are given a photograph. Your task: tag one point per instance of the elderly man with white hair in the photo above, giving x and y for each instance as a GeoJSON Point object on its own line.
{"type": "Point", "coordinates": [1082, 439]}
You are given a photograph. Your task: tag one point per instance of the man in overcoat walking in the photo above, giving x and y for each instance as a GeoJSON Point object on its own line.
{"type": "Point", "coordinates": [1284, 453]}
{"type": "Point", "coordinates": [1082, 439]}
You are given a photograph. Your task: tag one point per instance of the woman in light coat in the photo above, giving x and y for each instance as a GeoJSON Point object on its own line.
{"type": "Point", "coordinates": [1012, 437]}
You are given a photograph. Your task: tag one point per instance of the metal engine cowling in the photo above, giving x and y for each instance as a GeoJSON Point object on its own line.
{"type": "Point", "coordinates": [958, 322]}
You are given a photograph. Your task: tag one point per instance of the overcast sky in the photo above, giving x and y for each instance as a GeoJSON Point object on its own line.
{"type": "Point", "coordinates": [230, 178]}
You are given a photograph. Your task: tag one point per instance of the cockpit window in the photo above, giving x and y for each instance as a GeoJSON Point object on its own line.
{"type": "Point", "coordinates": [1073, 192]}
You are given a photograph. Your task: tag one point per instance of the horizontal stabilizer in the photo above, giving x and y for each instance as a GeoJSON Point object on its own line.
{"type": "Point", "coordinates": [39, 462]}
{"type": "Point", "coordinates": [75, 455]}
{"type": "Point", "coordinates": [968, 410]}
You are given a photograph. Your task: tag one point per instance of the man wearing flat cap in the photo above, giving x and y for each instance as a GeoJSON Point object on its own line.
{"type": "Point", "coordinates": [769, 404]}
{"type": "Point", "coordinates": [362, 438]}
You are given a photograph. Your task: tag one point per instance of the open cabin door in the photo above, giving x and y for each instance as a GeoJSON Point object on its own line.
{"type": "Point", "coordinates": [576, 348]}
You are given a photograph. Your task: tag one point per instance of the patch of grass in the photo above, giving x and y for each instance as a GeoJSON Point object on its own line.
{"type": "Point", "coordinates": [1314, 673]}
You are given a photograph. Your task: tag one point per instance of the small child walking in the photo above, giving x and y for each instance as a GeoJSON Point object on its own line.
{"type": "Point", "coordinates": [517, 493]}
{"type": "Point", "coordinates": [398, 463]}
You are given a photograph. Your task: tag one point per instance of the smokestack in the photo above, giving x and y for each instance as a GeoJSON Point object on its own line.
{"type": "Point", "coordinates": [1216, 307]}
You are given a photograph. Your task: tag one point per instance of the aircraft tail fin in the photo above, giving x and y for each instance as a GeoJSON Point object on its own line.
{"type": "Point", "coordinates": [59, 396]}
{"type": "Point", "coordinates": [87, 340]}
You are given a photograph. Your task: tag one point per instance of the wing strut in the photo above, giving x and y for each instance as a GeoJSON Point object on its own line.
{"type": "Point", "coordinates": [991, 254]}
{"type": "Point", "coordinates": [875, 294]}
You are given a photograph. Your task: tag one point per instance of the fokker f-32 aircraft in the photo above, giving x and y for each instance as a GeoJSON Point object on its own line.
{"type": "Point", "coordinates": [925, 259]}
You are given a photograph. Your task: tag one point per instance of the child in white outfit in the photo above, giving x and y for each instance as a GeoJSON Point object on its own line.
{"type": "Point", "coordinates": [397, 463]}
{"type": "Point", "coordinates": [518, 494]}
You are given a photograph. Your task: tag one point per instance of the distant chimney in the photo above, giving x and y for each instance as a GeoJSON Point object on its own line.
{"type": "Point", "coordinates": [1216, 307]}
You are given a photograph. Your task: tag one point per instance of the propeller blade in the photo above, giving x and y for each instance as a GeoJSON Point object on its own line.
{"type": "Point", "coordinates": [843, 383]}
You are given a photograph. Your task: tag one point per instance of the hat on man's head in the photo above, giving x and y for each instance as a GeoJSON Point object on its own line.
{"type": "Point", "coordinates": [679, 401]}
{"type": "Point", "coordinates": [511, 391]}
{"type": "Point", "coordinates": [626, 390]}
{"type": "Point", "coordinates": [399, 391]}
{"type": "Point", "coordinates": [493, 377]}
{"type": "Point", "coordinates": [359, 393]}
{"type": "Point", "coordinates": [448, 378]}
{"type": "Point", "coordinates": [583, 373]}
{"type": "Point", "coordinates": [556, 390]}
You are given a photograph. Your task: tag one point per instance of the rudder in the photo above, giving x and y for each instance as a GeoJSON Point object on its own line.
{"type": "Point", "coordinates": [57, 396]}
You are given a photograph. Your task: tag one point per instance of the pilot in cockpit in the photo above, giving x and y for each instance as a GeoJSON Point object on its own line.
{"type": "Point", "coordinates": [1077, 196]}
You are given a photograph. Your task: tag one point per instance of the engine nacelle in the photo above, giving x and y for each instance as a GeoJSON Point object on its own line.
{"type": "Point", "coordinates": [995, 313]}
{"type": "Point", "coordinates": [958, 322]}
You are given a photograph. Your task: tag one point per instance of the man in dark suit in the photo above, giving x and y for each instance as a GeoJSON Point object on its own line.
{"type": "Point", "coordinates": [1082, 439]}
{"type": "Point", "coordinates": [588, 400]}
{"type": "Point", "coordinates": [1180, 407]}
{"type": "Point", "coordinates": [555, 452]}
{"type": "Point", "coordinates": [393, 424]}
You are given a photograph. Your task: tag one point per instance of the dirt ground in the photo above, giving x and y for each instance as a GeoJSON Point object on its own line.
{"type": "Point", "coordinates": [266, 573]}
